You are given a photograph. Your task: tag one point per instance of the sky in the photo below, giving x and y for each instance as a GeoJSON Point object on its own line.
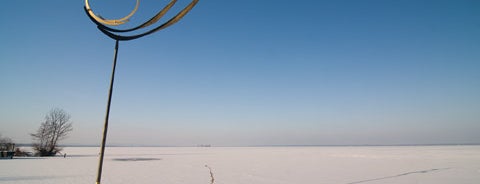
{"type": "Point", "coordinates": [248, 73]}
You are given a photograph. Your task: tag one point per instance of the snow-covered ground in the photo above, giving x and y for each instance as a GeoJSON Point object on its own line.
{"type": "Point", "coordinates": [252, 165]}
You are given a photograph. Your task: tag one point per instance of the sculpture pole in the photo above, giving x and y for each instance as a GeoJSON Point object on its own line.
{"type": "Point", "coordinates": [102, 25]}
{"type": "Point", "coordinates": [107, 114]}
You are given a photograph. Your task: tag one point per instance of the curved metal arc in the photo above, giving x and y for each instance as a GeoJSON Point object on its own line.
{"type": "Point", "coordinates": [153, 20]}
{"type": "Point", "coordinates": [112, 22]}
{"type": "Point", "coordinates": [159, 15]}
{"type": "Point", "coordinates": [170, 22]}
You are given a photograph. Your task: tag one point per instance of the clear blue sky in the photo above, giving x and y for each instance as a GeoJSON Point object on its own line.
{"type": "Point", "coordinates": [236, 73]}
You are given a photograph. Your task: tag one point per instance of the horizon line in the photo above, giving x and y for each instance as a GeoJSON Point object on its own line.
{"type": "Point", "coordinates": [273, 145]}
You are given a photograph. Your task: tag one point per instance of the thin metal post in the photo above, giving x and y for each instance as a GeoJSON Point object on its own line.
{"type": "Point", "coordinates": [105, 128]}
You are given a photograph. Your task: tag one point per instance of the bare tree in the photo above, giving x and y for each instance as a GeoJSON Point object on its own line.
{"type": "Point", "coordinates": [56, 127]}
{"type": "Point", "coordinates": [6, 144]}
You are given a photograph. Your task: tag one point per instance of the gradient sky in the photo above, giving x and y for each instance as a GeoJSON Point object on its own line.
{"type": "Point", "coordinates": [249, 72]}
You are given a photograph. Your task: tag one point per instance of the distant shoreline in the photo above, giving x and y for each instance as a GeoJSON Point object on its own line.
{"type": "Point", "coordinates": [333, 145]}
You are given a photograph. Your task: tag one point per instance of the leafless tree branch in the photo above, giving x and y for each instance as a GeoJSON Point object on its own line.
{"type": "Point", "coordinates": [56, 127]}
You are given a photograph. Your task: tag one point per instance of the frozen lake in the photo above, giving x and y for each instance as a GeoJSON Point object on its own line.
{"type": "Point", "coordinates": [252, 165]}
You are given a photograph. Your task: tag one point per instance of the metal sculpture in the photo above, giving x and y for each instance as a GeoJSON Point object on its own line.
{"type": "Point", "coordinates": [116, 34]}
